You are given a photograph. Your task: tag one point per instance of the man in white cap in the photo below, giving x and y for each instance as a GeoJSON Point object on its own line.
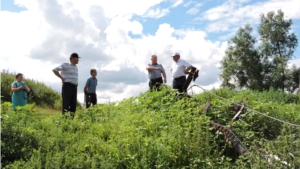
{"type": "Point", "coordinates": [179, 69]}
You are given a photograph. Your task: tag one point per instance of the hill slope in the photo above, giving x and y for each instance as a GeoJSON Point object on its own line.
{"type": "Point", "coordinates": [155, 130]}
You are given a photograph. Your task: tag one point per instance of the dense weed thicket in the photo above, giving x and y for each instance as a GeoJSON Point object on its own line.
{"type": "Point", "coordinates": [156, 130]}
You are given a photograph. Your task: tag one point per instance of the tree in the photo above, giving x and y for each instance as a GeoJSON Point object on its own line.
{"type": "Point", "coordinates": [241, 65]}
{"type": "Point", "coordinates": [261, 64]}
{"type": "Point", "coordinates": [293, 78]}
{"type": "Point", "coordinates": [278, 45]}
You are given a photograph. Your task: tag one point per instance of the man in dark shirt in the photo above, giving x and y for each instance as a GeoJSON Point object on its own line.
{"type": "Point", "coordinates": [155, 73]}
{"type": "Point", "coordinates": [90, 89]}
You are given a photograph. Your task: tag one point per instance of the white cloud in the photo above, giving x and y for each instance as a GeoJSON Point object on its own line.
{"type": "Point", "coordinates": [194, 10]}
{"type": "Point", "coordinates": [13, 32]}
{"type": "Point", "coordinates": [195, 88]}
{"type": "Point", "coordinates": [295, 62]}
{"type": "Point", "coordinates": [188, 4]}
{"type": "Point", "coordinates": [164, 31]}
{"type": "Point", "coordinates": [118, 29]}
{"type": "Point", "coordinates": [177, 3]}
{"type": "Point", "coordinates": [232, 14]}
{"type": "Point", "coordinates": [115, 8]}
{"type": "Point", "coordinates": [156, 13]}
{"type": "Point", "coordinates": [31, 5]}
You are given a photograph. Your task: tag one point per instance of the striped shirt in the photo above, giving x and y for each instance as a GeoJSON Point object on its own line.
{"type": "Point", "coordinates": [69, 72]}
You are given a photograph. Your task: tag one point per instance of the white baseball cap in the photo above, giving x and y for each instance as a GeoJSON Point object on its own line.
{"type": "Point", "coordinates": [176, 54]}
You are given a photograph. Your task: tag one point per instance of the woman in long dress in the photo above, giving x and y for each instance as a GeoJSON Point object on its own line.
{"type": "Point", "coordinates": [19, 89]}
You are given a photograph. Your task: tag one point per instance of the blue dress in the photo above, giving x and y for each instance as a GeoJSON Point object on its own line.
{"type": "Point", "coordinates": [19, 98]}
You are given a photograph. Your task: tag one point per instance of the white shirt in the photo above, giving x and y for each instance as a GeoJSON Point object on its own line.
{"type": "Point", "coordinates": [178, 68]}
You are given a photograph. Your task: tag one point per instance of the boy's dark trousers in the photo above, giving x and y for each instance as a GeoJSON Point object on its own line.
{"type": "Point", "coordinates": [91, 98]}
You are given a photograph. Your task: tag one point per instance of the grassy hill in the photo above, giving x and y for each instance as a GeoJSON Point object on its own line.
{"type": "Point", "coordinates": [156, 130]}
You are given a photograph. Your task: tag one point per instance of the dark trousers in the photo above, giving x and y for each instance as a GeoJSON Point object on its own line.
{"type": "Point", "coordinates": [69, 98]}
{"type": "Point", "coordinates": [154, 84]}
{"type": "Point", "coordinates": [178, 83]}
{"type": "Point", "coordinates": [90, 98]}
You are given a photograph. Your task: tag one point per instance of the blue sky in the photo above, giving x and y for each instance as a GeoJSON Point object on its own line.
{"type": "Point", "coordinates": [177, 17]}
{"type": "Point", "coordinates": [8, 5]}
{"type": "Point", "coordinates": [180, 18]}
{"type": "Point", "coordinates": [118, 38]}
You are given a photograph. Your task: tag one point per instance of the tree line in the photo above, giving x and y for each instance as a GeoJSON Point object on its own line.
{"type": "Point", "coordinates": [260, 63]}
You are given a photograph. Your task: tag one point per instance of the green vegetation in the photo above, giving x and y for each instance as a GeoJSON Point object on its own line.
{"type": "Point", "coordinates": [261, 63]}
{"type": "Point", "coordinates": [41, 95]}
{"type": "Point", "coordinates": [155, 130]}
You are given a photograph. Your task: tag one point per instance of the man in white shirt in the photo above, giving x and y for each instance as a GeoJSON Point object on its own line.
{"type": "Point", "coordinates": [179, 69]}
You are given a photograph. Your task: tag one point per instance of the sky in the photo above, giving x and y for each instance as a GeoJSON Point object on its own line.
{"type": "Point", "coordinates": [117, 38]}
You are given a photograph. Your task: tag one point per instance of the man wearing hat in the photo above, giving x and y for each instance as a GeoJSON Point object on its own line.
{"type": "Point", "coordinates": [179, 69]}
{"type": "Point", "coordinates": [69, 78]}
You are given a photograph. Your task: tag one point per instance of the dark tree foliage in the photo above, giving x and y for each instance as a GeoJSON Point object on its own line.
{"type": "Point", "coordinates": [293, 79]}
{"type": "Point", "coordinates": [278, 45]}
{"type": "Point", "coordinates": [261, 63]}
{"type": "Point", "coordinates": [242, 63]}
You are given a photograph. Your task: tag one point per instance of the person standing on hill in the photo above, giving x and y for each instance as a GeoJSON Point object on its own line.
{"type": "Point", "coordinates": [155, 73]}
{"type": "Point", "coordinates": [19, 89]}
{"type": "Point", "coordinates": [179, 69]}
{"type": "Point", "coordinates": [89, 89]}
{"type": "Point", "coordinates": [69, 78]}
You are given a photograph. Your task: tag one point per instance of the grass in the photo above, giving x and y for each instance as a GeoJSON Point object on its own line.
{"type": "Point", "coordinates": [46, 112]}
